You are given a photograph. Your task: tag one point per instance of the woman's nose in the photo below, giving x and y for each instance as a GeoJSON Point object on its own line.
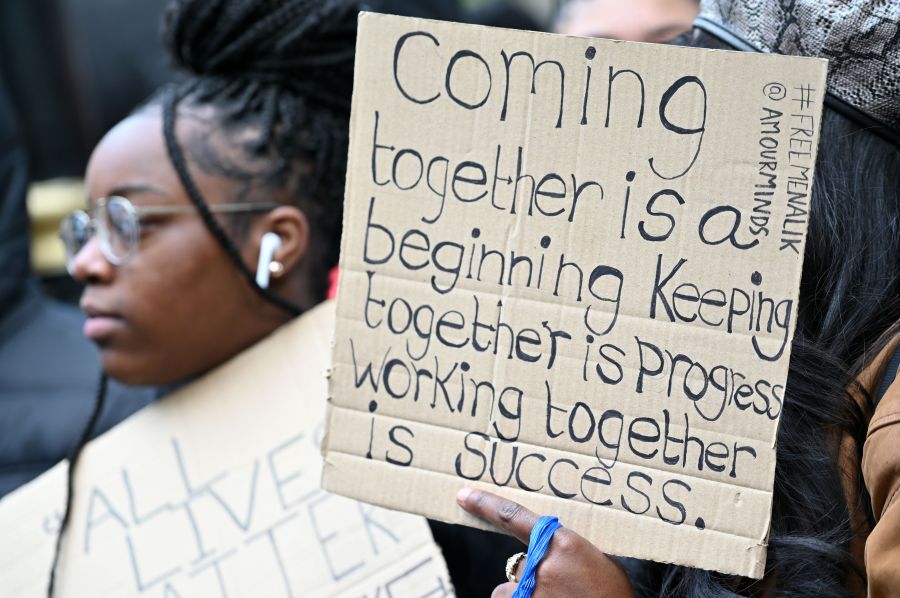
{"type": "Point", "coordinates": [90, 266]}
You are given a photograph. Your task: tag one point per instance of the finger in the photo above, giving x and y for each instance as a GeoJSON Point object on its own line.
{"type": "Point", "coordinates": [520, 568]}
{"type": "Point", "coordinates": [509, 516]}
{"type": "Point", "coordinates": [504, 591]}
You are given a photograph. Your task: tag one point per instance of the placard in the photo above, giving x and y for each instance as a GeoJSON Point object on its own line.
{"type": "Point", "coordinates": [214, 492]}
{"type": "Point", "coordinates": [569, 275]}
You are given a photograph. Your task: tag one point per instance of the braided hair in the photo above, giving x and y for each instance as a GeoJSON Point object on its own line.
{"type": "Point", "coordinates": [281, 70]}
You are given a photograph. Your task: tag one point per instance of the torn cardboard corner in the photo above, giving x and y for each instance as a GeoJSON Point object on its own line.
{"type": "Point", "coordinates": [215, 491]}
{"type": "Point", "coordinates": [569, 275]}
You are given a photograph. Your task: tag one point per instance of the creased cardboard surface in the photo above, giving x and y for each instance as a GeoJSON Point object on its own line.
{"type": "Point", "coordinates": [569, 275]}
{"type": "Point", "coordinates": [215, 492]}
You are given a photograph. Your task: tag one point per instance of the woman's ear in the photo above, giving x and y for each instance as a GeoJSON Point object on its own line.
{"type": "Point", "coordinates": [292, 227]}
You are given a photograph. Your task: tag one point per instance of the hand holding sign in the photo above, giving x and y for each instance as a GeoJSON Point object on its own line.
{"type": "Point", "coordinates": [572, 567]}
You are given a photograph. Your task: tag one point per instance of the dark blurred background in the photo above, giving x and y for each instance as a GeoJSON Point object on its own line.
{"type": "Point", "coordinates": [74, 68]}
{"type": "Point", "coordinates": [71, 69]}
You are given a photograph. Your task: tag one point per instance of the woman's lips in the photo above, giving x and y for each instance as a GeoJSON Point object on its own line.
{"type": "Point", "coordinates": [97, 328]}
{"type": "Point", "coordinates": [100, 323]}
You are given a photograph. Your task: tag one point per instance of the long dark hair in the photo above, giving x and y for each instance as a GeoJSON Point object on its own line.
{"type": "Point", "coordinates": [849, 297]}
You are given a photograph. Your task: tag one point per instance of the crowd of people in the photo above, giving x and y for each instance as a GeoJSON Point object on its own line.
{"type": "Point", "coordinates": [252, 139]}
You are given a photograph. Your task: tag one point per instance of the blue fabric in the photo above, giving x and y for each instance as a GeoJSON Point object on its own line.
{"type": "Point", "coordinates": [541, 534]}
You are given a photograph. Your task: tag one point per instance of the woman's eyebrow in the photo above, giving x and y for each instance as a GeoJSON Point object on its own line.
{"type": "Point", "coordinates": [132, 188]}
{"type": "Point", "coordinates": [668, 32]}
{"type": "Point", "coordinates": [665, 32]}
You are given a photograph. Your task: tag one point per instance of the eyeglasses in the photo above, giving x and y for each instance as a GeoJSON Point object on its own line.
{"type": "Point", "coordinates": [117, 223]}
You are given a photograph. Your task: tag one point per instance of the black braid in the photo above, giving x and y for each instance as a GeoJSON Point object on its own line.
{"type": "Point", "coordinates": [74, 455]}
{"type": "Point", "coordinates": [177, 157]}
{"type": "Point", "coordinates": [284, 70]}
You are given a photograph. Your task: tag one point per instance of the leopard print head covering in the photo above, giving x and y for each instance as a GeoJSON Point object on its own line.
{"type": "Point", "coordinates": [860, 39]}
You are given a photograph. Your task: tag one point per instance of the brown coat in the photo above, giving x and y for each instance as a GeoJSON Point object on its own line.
{"type": "Point", "coordinates": [881, 475]}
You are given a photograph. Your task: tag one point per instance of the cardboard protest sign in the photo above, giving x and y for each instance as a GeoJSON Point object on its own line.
{"type": "Point", "coordinates": [569, 275]}
{"type": "Point", "coordinates": [215, 492]}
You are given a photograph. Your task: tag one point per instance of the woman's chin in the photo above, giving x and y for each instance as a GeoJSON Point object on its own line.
{"type": "Point", "coordinates": [132, 369]}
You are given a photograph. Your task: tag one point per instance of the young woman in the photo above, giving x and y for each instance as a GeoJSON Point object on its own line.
{"type": "Point", "coordinates": [251, 143]}
{"type": "Point", "coordinates": [836, 508]}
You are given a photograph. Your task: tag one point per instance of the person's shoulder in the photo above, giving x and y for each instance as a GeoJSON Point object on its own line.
{"type": "Point", "coordinates": [881, 472]}
{"type": "Point", "coordinates": [886, 392]}
{"type": "Point", "coordinates": [879, 370]}
{"type": "Point", "coordinates": [881, 460]}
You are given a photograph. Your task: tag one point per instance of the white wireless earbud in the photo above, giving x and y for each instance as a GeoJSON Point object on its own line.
{"type": "Point", "coordinates": [269, 244]}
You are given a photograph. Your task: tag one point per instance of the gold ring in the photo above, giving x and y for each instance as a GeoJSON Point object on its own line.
{"type": "Point", "coordinates": [512, 564]}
